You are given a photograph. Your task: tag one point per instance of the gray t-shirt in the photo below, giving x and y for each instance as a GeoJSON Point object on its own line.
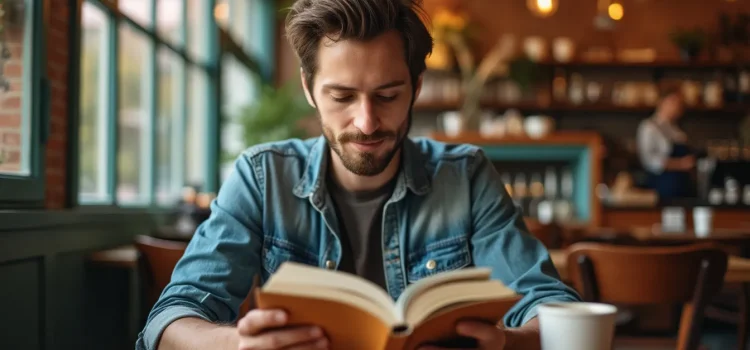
{"type": "Point", "coordinates": [360, 216]}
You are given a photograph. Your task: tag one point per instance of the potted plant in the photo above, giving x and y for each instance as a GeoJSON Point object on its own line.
{"type": "Point", "coordinates": [275, 115]}
{"type": "Point", "coordinates": [690, 42]}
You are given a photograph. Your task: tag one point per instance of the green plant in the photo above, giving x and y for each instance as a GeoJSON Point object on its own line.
{"type": "Point", "coordinates": [689, 40]}
{"type": "Point", "coordinates": [523, 71]}
{"type": "Point", "coordinates": [275, 115]}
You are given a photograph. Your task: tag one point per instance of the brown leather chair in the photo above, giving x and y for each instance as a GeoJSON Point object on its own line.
{"type": "Point", "coordinates": [157, 259]}
{"type": "Point", "coordinates": [685, 275]}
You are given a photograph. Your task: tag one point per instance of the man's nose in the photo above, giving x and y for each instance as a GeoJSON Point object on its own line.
{"type": "Point", "coordinates": [366, 120]}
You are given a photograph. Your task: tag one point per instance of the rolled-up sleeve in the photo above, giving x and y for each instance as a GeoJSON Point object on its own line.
{"type": "Point", "coordinates": [215, 274]}
{"type": "Point", "coordinates": [501, 241]}
{"type": "Point", "coordinates": [653, 147]}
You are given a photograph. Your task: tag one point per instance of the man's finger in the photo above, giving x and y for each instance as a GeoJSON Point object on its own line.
{"type": "Point", "coordinates": [483, 332]}
{"type": "Point", "coordinates": [281, 339]}
{"type": "Point", "coordinates": [320, 344]}
{"type": "Point", "coordinates": [257, 320]}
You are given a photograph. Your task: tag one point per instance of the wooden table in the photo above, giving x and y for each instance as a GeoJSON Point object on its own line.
{"type": "Point", "coordinates": [738, 269]}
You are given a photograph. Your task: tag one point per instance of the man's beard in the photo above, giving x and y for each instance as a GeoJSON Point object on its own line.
{"type": "Point", "coordinates": [367, 163]}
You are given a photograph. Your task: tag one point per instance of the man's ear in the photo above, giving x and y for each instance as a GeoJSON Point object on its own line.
{"type": "Point", "coordinates": [309, 97]}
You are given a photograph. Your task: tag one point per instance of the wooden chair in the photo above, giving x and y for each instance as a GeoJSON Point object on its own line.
{"type": "Point", "coordinates": [685, 275]}
{"type": "Point", "coordinates": [157, 259]}
{"type": "Point", "coordinates": [548, 234]}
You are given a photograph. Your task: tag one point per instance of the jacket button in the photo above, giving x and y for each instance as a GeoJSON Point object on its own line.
{"type": "Point", "coordinates": [330, 264]}
{"type": "Point", "coordinates": [431, 264]}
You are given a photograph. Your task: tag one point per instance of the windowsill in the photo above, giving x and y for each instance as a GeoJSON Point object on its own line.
{"type": "Point", "coordinates": [15, 220]}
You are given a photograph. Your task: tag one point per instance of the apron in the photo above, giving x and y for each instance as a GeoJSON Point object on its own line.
{"type": "Point", "coordinates": [669, 183]}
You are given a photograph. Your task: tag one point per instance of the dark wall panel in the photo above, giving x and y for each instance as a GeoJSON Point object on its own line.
{"type": "Point", "coordinates": [20, 293]}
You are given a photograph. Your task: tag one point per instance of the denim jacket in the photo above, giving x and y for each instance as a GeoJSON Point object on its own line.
{"type": "Point", "coordinates": [448, 210]}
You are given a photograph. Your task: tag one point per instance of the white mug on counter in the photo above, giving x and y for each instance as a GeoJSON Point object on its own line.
{"type": "Point", "coordinates": [577, 326]}
{"type": "Point", "coordinates": [702, 221]}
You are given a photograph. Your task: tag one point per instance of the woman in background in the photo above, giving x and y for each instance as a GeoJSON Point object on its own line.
{"type": "Point", "coordinates": [663, 150]}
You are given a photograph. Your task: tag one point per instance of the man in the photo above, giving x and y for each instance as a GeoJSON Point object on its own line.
{"type": "Point", "coordinates": [362, 198]}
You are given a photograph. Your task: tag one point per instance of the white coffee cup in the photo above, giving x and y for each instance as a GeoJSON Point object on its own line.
{"type": "Point", "coordinates": [577, 326]}
{"type": "Point", "coordinates": [702, 221]}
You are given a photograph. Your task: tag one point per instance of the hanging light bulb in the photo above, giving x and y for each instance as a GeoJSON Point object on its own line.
{"type": "Point", "coordinates": [615, 11]}
{"type": "Point", "coordinates": [542, 8]}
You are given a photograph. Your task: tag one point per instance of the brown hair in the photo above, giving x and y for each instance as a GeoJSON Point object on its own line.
{"type": "Point", "coordinates": [309, 21]}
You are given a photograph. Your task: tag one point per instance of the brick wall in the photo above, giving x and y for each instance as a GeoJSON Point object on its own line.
{"type": "Point", "coordinates": [57, 70]}
{"type": "Point", "coordinates": [10, 103]}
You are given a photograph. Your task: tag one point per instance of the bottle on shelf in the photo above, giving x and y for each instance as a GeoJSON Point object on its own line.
{"type": "Point", "coordinates": [536, 190]}
{"type": "Point", "coordinates": [520, 191]}
{"type": "Point", "coordinates": [564, 205]}
{"type": "Point", "coordinates": [545, 209]}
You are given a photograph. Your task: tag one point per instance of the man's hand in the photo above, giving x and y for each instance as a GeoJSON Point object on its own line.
{"type": "Point", "coordinates": [492, 337]}
{"type": "Point", "coordinates": [266, 330]}
{"type": "Point", "coordinates": [488, 336]}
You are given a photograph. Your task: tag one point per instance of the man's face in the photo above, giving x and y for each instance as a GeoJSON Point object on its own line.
{"type": "Point", "coordinates": [363, 94]}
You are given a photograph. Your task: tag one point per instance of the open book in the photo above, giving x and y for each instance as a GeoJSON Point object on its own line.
{"type": "Point", "coordinates": [358, 314]}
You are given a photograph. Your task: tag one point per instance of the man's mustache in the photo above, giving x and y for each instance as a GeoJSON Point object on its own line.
{"type": "Point", "coordinates": [360, 137]}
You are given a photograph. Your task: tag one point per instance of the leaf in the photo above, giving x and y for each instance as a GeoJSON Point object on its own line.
{"type": "Point", "coordinates": [275, 115]}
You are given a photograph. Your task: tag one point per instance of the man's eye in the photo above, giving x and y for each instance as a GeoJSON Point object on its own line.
{"type": "Point", "coordinates": [341, 98]}
{"type": "Point", "coordinates": [387, 98]}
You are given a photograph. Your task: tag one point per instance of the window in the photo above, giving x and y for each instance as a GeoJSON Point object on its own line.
{"type": "Point", "coordinates": [150, 95]}
{"type": "Point", "coordinates": [135, 93]}
{"type": "Point", "coordinates": [23, 108]}
{"type": "Point", "coordinates": [251, 24]}
{"type": "Point", "coordinates": [93, 102]}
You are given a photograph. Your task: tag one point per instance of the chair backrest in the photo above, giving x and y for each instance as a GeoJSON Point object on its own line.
{"type": "Point", "coordinates": [690, 275]}
{"type": "Point", "coordinates": [157, 259]}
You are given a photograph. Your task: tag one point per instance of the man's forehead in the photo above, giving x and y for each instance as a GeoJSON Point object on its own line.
{"type": "Point", "coordinates": [376, 61]}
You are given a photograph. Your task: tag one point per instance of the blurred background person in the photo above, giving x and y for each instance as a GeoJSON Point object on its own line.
{"type": "Point", "coordinates": [663, 149]}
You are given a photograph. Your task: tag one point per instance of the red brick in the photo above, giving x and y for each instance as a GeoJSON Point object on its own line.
{"type": "Point", "coordinates": [10, 167]}
{"type": "Point", "coordinates": [13, 69]}
{"type": "Point", "coordinates": [57, 75]}
{"type": "Point", "coordinates": [13, 157]}
{"type": "Point", "coordinates": [59, 57]}
{"type": "Point", "coordinates": [16, 50]}
{"type": "Point", "coordinates": [58, 71]}
{"type": "Point", "coordinates": [58, 21]}
{"type": "Point", "coordinates": [16, 84]}
{"type": "Point", "coordinates": [58, 36]}
{"type": "Point", "coordinates": [12, 138]}
{"type": "Point", "coordinates": [10, 120]}
{"type": "Point", "coordinates": [55, 162]}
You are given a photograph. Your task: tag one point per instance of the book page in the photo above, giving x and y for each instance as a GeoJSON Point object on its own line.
{"type": "Point", "coordinates": [446, 295]}
{"type": "Point", "coordinates": [414, 291]}
{"type": "Point", "coordinates": [294, 274]}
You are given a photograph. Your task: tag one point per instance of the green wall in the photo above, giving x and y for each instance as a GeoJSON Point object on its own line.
{"type": "Point", "coordinates": [50, 296]}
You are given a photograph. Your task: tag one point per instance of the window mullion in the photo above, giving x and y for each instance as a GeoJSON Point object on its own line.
{"type": "Point", "coordinates": [112, 103]}
{"type": "Point", "coordinates": [213, 113]}
{"type": "Point", "coordinates": [152, 92]}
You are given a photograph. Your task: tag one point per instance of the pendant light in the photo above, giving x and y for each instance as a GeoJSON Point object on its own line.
{"type": "Point", "coordinates": [542, 8]}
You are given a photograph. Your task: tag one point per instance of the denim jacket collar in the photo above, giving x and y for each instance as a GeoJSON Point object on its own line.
{"type": "Point", "coordinates": [412, 172]}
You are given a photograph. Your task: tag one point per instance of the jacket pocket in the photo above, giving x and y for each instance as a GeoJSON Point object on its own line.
{"type": "Point", "coordinates": [444, 255]}
{"type": "Point", "coordinates": [278, 251]}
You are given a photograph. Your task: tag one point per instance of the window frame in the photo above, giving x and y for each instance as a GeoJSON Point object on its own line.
{"type": "Point", "coordinates": [211, 67]}
{"type": "Point", "coordinates": [28, 191]}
